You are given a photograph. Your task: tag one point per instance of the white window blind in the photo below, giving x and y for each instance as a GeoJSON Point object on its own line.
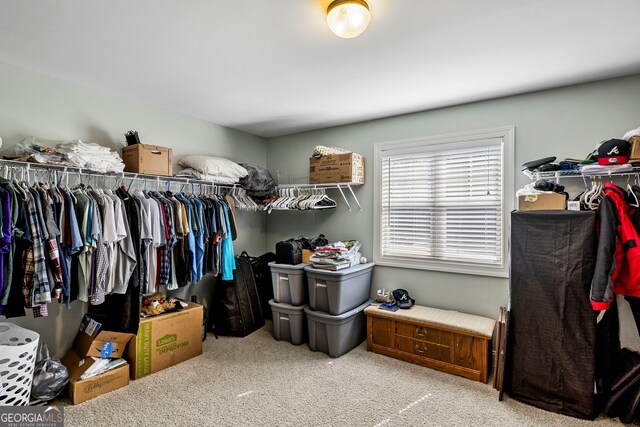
{"type": "Point", "coordinates": [443, 205]}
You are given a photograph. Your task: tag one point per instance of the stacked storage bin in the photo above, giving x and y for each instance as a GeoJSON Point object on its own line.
{"type": "Point", "coordinates": [335, 316]}
{"type": "Point", "coordinates": [289, 301]}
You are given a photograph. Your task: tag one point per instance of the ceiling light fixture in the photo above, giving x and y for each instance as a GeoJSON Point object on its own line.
{"type": "Point", "coordinates": [348, 18]}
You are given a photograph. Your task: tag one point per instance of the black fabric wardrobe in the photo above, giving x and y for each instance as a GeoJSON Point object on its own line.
{"type": "Point", "coordinates": [552, 339]}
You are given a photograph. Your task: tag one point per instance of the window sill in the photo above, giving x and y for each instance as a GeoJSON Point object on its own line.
{"type": "Point", "coordinates": [444, 267]}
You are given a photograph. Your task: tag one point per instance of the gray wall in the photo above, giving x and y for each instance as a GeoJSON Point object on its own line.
{"type": "Point", "coordinates": [565, 122]}
{"type": "Point", "coordinates": [32, 104]}
{"type": "Point", "coordinates": [562, 122]}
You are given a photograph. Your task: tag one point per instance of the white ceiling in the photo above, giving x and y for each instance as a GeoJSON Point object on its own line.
{"type": "Point", "coordinates": [273, 67]}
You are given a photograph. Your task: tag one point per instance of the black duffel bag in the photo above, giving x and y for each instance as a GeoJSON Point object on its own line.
{"type": "Point", "coordinates": [236, 306]}
{"type": "Point", "coordinates": [289, 252]}
{"type": "Point", "coordinates": [262, 274]}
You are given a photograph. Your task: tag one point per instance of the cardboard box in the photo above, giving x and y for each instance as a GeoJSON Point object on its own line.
{"type": "Point", "coordinates": [635, 147]}
{"type": "Point", "coordinates": [166, 340]}
{"type": "Point", "coordinates": [337, 168]}
{"type": "Point", "coordinates": [306, 256]}
{"type": "Point", "coordinates": [91, 341]}
{"type": "Point", "coordinates": [83, 390]}
{"type": "Point", "coordinates": [542, 202]}
{"type": "Point", "coordinates": [149, 159]}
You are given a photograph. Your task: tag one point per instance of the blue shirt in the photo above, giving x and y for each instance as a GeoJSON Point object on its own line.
{"type": "Point", "coordinates": [228, 257]}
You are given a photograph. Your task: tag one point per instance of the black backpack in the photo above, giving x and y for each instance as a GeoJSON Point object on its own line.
{"type": "Point", "coordinates": [236, 307]}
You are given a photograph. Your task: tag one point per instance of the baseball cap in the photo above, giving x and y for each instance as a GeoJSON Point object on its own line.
{"type": "Point", "coordinates": [403, 299]}
{"type": "Point", "coordinates": [614, 152]}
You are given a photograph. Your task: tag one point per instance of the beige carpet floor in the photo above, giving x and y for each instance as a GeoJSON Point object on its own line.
{"type": "Point", "coordinates": [258, 381]}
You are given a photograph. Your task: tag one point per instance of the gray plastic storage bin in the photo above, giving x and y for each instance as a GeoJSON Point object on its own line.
{"type": "Point", "coordinates": [288, 322]}
{"type": "Point", "coordinates": [336, 292]}
{"type": "Point", "coordinates": [336, 335]}
{"type": "Point", "coordinates": [289, 283]}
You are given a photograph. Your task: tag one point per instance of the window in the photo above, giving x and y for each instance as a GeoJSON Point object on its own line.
{"type": "Point", "coordinates": [443, 203]}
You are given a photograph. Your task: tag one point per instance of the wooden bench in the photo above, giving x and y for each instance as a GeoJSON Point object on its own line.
{"type": "Point", "coordinates": [445, 340]}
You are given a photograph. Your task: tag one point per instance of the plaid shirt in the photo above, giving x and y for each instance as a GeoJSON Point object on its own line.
{"type": "Point", "coordinates": [166, 252]}
{"type": "Point", "coordinates": [100, 265]}
{"type": "Point", "coordinates": [27, 261]}
{"type": "Point", "coordinates": [40, 289]}
{"type": "Point", "coordinates": [54, 261]}
{"type": "Point", "coordinates": [164, 262]}
{"type": "Point", "coordinates": [51, 243]}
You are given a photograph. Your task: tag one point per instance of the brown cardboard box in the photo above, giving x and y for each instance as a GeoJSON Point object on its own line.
{"type": "Point", "coordinates": [91, 341]}
{"type": "Point", "coordinates": [635, 147]}
{"type": "Point", "coordinates": [83, 390]}
{"type": "Point", "coordinates": [150, 159]}
{"type": "Point", "coordinates": [306, 256]}
{"type": "Point", "coordinates": [166, 340]}
{"type": "Point", "coordinates": [542, 202]}
{"type": "Point", "coordinates": [337, 168]}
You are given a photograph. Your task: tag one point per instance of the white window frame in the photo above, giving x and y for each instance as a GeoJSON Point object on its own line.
{"type": "Point", "coordinates": [455, 140]}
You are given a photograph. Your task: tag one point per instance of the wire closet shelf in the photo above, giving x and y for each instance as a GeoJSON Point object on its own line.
{"type": "Point", "coordinates": [57, 173]}
{"type": "Point", "coordinates": [302, 182]}
{"type": "Point", "coordinates": [556, 175]}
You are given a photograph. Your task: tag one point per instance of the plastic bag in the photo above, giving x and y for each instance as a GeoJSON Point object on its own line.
{"type": "Point", "coordinates": [632, 132]}
{"type": "Point", "coordinates": [49, 377]}
{"type": "Point", "coordinates": [323, 150]}
{"type": "Point", "coordinates": [258, 179]}
{"type": "Point", "coordinates": [312, 243]}
{"type": "Point", "coordinates": [39, 151]}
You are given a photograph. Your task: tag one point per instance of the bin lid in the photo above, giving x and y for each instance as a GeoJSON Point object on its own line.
{"type": "Point", "coordinates": [300, 266]}
{"type": "Point", "coordinates": [355, 269]}
{"type": "Point", "coordinates": [285, 306]}
{"type": "Point", "coordinates": [346, 315]}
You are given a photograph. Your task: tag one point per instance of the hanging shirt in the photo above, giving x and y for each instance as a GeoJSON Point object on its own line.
{"type": "Point", "coordinates": [52, 235]}
{"type": "Point", "coordinates": [125, 255]}
{"type": "Point", "coordinates": [15, 234]}
{"type": "Point", "coordinates": [191, 239]}
{"type": "Point", "coordinates": [73, 243]}
{"type": "Point", "coordinates": [228, 257]}
{"type": "Point", "coordinates": [83, 208]}
{"type": "Point", "coordinates": [19, 296]}
{"type": "Point", "coordinates": [134, 240]}
{"type": "Point", "coordinates": [35, 264]}
{"type": "Point", "coordinates": [5, 239]}
{"type": "Point", "coordinates": [198, 232]}
{"type": "Point", "coordinates": [145, 243]}
{"type": "Point", "coordinates": [167, 250]}
{"type": "Point", "coordinates": [100, 264]}
{"type": "Point", "coordinates": [153, 217]}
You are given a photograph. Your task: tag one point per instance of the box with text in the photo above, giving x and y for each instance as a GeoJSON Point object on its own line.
{"type": "Point", "coordinates": [166, 340]}
{"type": "Point", "coordinates": [337, 168]}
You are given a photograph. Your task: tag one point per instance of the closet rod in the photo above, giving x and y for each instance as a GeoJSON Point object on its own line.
{"type": "Point", "coordinates": [122, 175]}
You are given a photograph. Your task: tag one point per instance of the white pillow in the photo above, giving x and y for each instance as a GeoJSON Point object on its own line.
{"type": "Point", "coordinates": [217, 166]}
{"type": "Point", "coordinates": [217, 179]}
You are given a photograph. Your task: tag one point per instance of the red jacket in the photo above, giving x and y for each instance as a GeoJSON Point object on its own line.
{"type": "Point", "coordinates": [617, 268]}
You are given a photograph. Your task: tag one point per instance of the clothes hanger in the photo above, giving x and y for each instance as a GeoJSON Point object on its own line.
{"type": "Point", "coordinates": [633, 198]}
{"type": "Point", "coordinates": [326, 202]}
{"type": "Point", "coordinates": [594, 198]}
